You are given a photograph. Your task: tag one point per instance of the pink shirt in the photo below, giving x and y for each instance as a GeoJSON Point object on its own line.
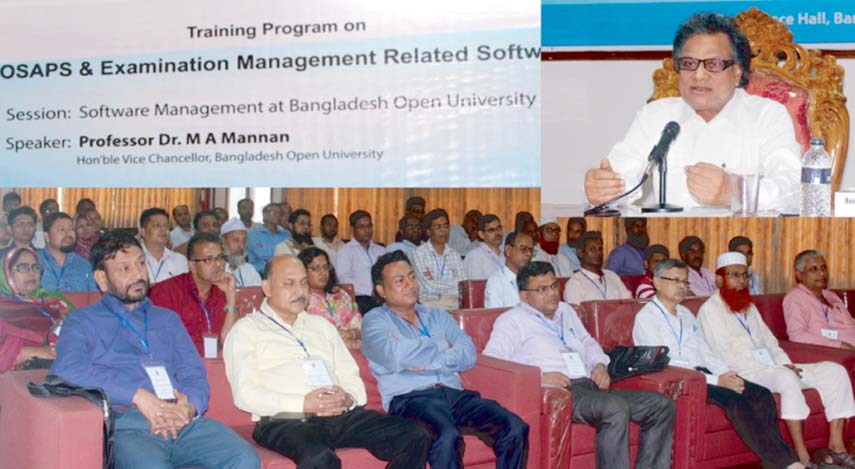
{"type": "Point", "coordinates": [702, 283]}
{"type": "Point", "coordinates": [338, 308]}
{"type": "Point", "coordinates": [806, 318]}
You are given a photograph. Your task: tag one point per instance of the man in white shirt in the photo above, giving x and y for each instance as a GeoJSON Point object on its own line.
{"type": "Point", "coordinates": [438, 266]}
{"type": "Point", "coordinates": [234, 235]}
{"type": "Point", "coordinates": [501, 287]}
{"type": "Point", "coordinates": [328, 239]}
{"type": "Point", "coordinates": [733, 328]}
{"type": "Point", "coordinates": [246, 208]}
{"type": "Point", "coordinates": [576, 227]}
{"type": "Point", "coordinates": [701, 279]}
{"type": "Point", "coordinates": [294, 374]}
{"type": "Point", "coordinates": [162, 263]}
{"type": "Point", "coordinates": [412, 231]}
{"type": "Point", "coordinates": [183, 230]}
{"type": "Point", "coordinates": [354, 260]}
{"type": "Point", "coordinates": [300, 223]}
{"type": "Point", "coordinates": [487, 258]}
{"type": "Point", "coordinates": [749, 407]}
{"type": "Point", "coordinates": [462, 237]}
{"type": "Point", "coordinates": [722, 128]}
{"type": "Point", "coordinates": [547, 245]}
{"type": "Point", "coordinates": [593, 282]}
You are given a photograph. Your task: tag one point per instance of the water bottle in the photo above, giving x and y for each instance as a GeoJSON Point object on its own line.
{"type": "Point", "coordinates": [816, 181]}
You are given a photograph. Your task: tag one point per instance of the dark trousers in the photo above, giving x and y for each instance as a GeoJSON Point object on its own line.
{"type": "Point", "coordinates": [755, 419]}
{"type": "Point", "coordinates": [312, 443]}
{"type": "Point", "coordinates": [450, 413]}
{"type": "Point", "coordinates": [366, 303]}
{"type": "Point", "coordinates": [610, 413]}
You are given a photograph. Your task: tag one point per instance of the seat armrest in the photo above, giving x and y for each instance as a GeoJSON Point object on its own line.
{"type": "Point", "coordinates": [556, 427]}
{"type": "Point", "coordinates": [672, 381]}
{"type": "Point", "coordinates": [809, 353]}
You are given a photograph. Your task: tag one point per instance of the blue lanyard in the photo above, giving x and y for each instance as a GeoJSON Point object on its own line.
{"type": "Point", "coordinates": [239, 278]}
{"type": "Point", "coordinates": [423, 330]}
{"type": "Point", "coordinates": [159, 268]}
{"type": "Point", "coordinates": [368, 253]}
{"type": "Point", "coordinates": [143, 338]}
{"type": "Point", "coordinates": [744, 326]}
{"type": "Point", "coordinates": [207, 313]}
{"type": "Point", "coordinates": [553, 329]}
{"type": "Point", "coordinates": [679, 338]}
{"type": "Point", "coordinates": [440, 268]}
{"type": "Point", "coordinates": [493, 256]}
{"type": "Point", "coordinates": [603, 291]}
{"type": "Point", "coordinates": [825, 311]}
{"type": "Point", "coordinates": [299, 342]}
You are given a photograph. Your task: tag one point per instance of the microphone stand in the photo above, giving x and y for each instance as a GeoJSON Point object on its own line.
{"type": "Point", "coordinates": [663, 207]}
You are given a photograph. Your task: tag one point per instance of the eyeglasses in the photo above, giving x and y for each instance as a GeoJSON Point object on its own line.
{"type": "Point", "coordinates": [27, 268]}
{"type": "Point", "coordinates": [440, 226]}
{"type": "Point", "coordinates": [524, 249]}
{"type": "Point", "coordinates": [411, 226]}
{"type": "Point", "coordinates": [495, 229]}
{"type": "Point", "coordinates": [320, 268]}
{"type": "Point", "coordinates": [714, 65]}
{"type": "Point", "coordinates": [678, 281]}
{"type": "Point", "coordinates": [552, 230]}
{"type": "Point", "coordinates": [210, 259]}
{"type": "Point", "coordinates": [738, 275]}
{"type": "Point", "coordinates": [545, 289]}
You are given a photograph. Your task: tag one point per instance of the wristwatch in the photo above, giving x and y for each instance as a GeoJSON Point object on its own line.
{"type": "Point", "coordinates": [231, 309]}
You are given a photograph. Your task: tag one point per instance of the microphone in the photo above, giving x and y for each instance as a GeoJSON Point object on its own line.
{"type": "Point", "coordinates": [669, 133]}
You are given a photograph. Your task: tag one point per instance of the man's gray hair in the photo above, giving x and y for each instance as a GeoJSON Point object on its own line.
{"type": "Point", "coordinates": [711, 23]}
{"type": "Point", "coordinates": [803, 256]}
{"type": "Point", "coordinates": [667, 264]}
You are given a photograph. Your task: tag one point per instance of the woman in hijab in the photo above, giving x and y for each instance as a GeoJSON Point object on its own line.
{"type": "Point", "coordinates": [30, 316]}
{"type": "Point", "coordinates": [328, 300]}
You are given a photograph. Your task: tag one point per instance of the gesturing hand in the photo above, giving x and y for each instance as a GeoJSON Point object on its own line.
{"type": "Point", "coordinates": [603, 183]}
{"type": "Point", "coordinates": [600, 376]}
{"type": "Point", "coordinates": [708, 183]}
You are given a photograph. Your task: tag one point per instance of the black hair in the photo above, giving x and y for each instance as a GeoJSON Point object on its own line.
{"type": "Point", "coordinates": [486, 219]}
{"type": "Point", "coordinates": [532, 269]}
{"type": "Point", "coordinates": [82, 203]}
{"type": "Point", "coordinates": [311, 253]}
{"type": "Point", "coordinates": [358, 215]}
{"type": "Point", "coordinates": [110, 243]}
{"type": "Point", "coordinates": [327, 217]}
{"type": "Point", "coordinates": [433, 215]}
{"type": "Point", "coordinates": [654, 249]}
{"type": "Point", "coordinates": [22, 210]}
{"type": "Point", "coordinates": [200, 238]}
{"type": "Point", "coordinates": [10, 196]}
{"type": "Point", "coordinates": [688, 241]}
{"type": "Point", "coordinates": [292, 218]}
{"type": "Point", "coordinates": [737, 241]}
{"type": "Point", "coordinates": [44, 205]}
{"type": "Point", "coordinates": [151, 212]}
{"type": "Point", "coordinates": [49, 220]}
{"type": "Point", "coordinates": [711, 23]}
{"type": "Point", "coordinates": [383, 261]}
{"type": "Point", "coordinates": [204, 213]}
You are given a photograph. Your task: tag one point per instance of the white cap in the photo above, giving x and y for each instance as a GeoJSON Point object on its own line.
{"type": "Point", "coordinates": [547, 220]}
{"type": "Point", "coordinates": [731, 258]}
{"type": "Point", "coordinates": [233, 224]}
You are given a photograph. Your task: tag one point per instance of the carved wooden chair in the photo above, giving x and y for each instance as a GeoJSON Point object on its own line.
{"type": "Point", "coordinates": [807, 82]}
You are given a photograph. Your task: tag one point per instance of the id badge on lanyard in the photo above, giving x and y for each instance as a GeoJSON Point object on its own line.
{"type": "Point", "coordinates": [159, 377]}
{"type": "Point", "coordinates": [763, 356]}
{"type": "Point", "coordinates": [574, 364]}
{"type": "Point", "coordinates": [317, 373]}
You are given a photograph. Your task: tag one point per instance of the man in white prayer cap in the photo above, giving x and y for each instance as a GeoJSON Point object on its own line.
{"type": "Point", "coordinates": [734, 330]}
{"type": "Point", "coordinates": [546, 248]}
{"type": "Point", "coordinates": [233, 234]}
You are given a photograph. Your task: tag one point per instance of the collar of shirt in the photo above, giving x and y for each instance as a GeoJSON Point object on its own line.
{"type": "Point", "coordinates": [509, 275]}
{"type": "Point", "coordinates": [114, 304]}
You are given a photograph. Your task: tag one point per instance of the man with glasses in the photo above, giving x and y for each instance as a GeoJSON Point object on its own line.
{"type": "Point", "coordinates": [701, 279]}
{"type": "Point", "coordinates": [734, 330]}
{"type": "Point", "coordinates": [746, 247]}
{"type": "Point", "coordinates": [412, 231]}
{"type": "Point", "coordinates": [628, 258]}
{"type": "Point", "coordinates": [162, 262]}
{"type": "Point", "coordinates": [438, 267]}
{"type": "Point", "coordinates": [353, 262]}
{"type": "Point", "coordinates": [722, 128]}
{"type": "Point", "coordinates": [544, 332]}
{"type": "Point", "coordinates": [204, 298]}
{"type": "Point", "coordinates": [328, 239]}
{"type": "Point", "coordinates": [300, 223]}
{"type": "Point", "coordinates": [22, 226]}
{"type": "Point", "coordinates": [502, 287]}
{"type": "Point", "coordinates": [546, 246]}
{"type": "Point", "coordinates": [592, 282]}
{"type": "Point", "coordinates": [487, 258]}
{"type": "Point", "coordinates": [750, 408]}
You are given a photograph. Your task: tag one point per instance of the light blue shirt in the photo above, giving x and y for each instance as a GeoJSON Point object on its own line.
{"type": "Point", "coordinates": [261, 243]}
{"type": "Point", "coordinates": [74, 275]}
{"type": "Point", "coordinates": [394, 347]}
{"type": "Point", "coordinates": [570, 254]}
{"type": "Point", "coordinates": [407, 246]}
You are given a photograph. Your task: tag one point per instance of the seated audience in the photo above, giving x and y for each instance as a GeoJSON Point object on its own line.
{"type": "Point", "coordinates": [354, 260]}
{"type": "Point", "coordinates": [750, 408]}
{"type": "Point", "coordinates": [11, 201]}
{"type": "Point", "coordinates": [520, 219]}
{"type": "Point", "coordinates": [284, 215]}
{"type": "Point", "coordinates": [546, 250]}
{"type": "Point", "coordinates": [22, 225]}
{"type": "Point", "coordinates": [294, 374]}
{"type": "Point", "coordinates": [5, 234]}
{"type": "Point", "coordinates": [63, 270]}
{"type": "Point", "coordinates": [628, 258]}
{"type": "Point", "coordinates": [733, 328]}
{"type": "Point", "coordinates": [47, 207]}
{"type": "Point", "coordinates": [162, 263]}
{"type": "Point", "coordinates": [593, 282]}
{"type": "Point", "coordinates": [234, 235]}
{"type": "Point", "coordinates": [438, 266]}
{"type": "Point", "coordinates": [84, 205]}
{"type": "Point", "coordinates": [222, 216]}
{"type": "Point", "coordinates": [328, 239]}
{"type": "Point", "coordinates": [501, 289]}
{"type": "Point", "coordinates": [204, 298]}
{"type": "Point", "coordinates": [183, 230]}
{"type": "Point", "coordinates": [87, 227]}
{"type": "Point", "coordinates": [260, 243]}
{"type": "Point", "coordinates": [652, 255]}
{"type": "Point", "coordinates": [815, 314]}
{"type": "Point", "coordinates": [416, 352]}
{"type": "Point", "coordinates": [328, 300]}
{"type": "Point", "coordinates": [701, 279]}
{"type": "Point", "coordinates": [746, 247]}
{"type": "Point", "coordinates": [30, 315]}
{"type": "Point", "coordinates": [487, 258]}
{"type": "Point", "coordinates": [576, 227]}
{"type": "Point", "coordinates": [246, 208]}
{"type": "Point", "coordinates": [300, 222]}
{"type": "Point", "coordinates": [414, 206]}
{"type": "Point", "coordinates": [207, 221]}
{"type": "Point", "coordinates": [544, 332]}
{"type": "Point", "coordinates": [141, 356]}
{"type": "Point", "coordinates": [462, 237]}
{"type": "Point", "coordinates": [412, 230]}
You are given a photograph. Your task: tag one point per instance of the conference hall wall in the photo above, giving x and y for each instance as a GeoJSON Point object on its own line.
{"type": "Point", "coordinates": [381, 98]}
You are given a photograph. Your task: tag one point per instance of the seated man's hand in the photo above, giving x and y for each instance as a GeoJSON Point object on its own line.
{"type": "Point", "coordinates": [731, 381]}
{"type": "Point", "coordinates": [326, 402]}
{"type": "Point", "coordinates": [47, 352]}
{"type": "Point", "coordinates": [174, 416]}
{"type": "Point", "coordinates": [554, 378]}
{"type": "Point", "coordinates": [795, 369]}
{"type": "Point", "coordinates": [708, 184]}
{"type": "Point", "coordinates": [600, 376]}
{"type": "Point", "coordinates": [152, 409]}
{"type": "Point", "coordinates": [846, 346]}
{"type": "Point", "coordinates": [603, 183]}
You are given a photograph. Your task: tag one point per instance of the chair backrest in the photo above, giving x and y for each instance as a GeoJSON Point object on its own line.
{"type": "Point", "coordinates": [478, 324]}
{"type": "Point", "coordinates": [848, 297]}
{"type": "Point", "coordinates": [808, 83]}
{"type": "Point", "coordinates": [771, 308]}
{"type": "Point", "coordinates": [472, 293]}
{"type": "Point", "coordinates": [81, 298]}
{"type": "Point", "coordinates": [631, 281]}
{"type": "Point", "coordinates": [610, 321]}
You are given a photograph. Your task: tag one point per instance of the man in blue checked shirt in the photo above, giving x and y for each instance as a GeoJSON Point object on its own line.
{"type": "Point", "coordinates": [416, 354]}
{"type": "Point", "coordinates": [142, 357]}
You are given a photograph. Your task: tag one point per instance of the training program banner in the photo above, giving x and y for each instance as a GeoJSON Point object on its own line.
{"type": "Point", "coordinates": [296, 93]}
{"type": "Point", "coordinates": [639, 24]}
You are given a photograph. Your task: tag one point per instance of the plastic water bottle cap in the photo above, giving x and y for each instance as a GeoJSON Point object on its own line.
{"type": "Point", "coordinates": [817, 141]}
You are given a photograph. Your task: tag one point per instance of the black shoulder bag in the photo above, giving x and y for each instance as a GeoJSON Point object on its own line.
{"type": "Point", "coordinates": [626, 362]}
